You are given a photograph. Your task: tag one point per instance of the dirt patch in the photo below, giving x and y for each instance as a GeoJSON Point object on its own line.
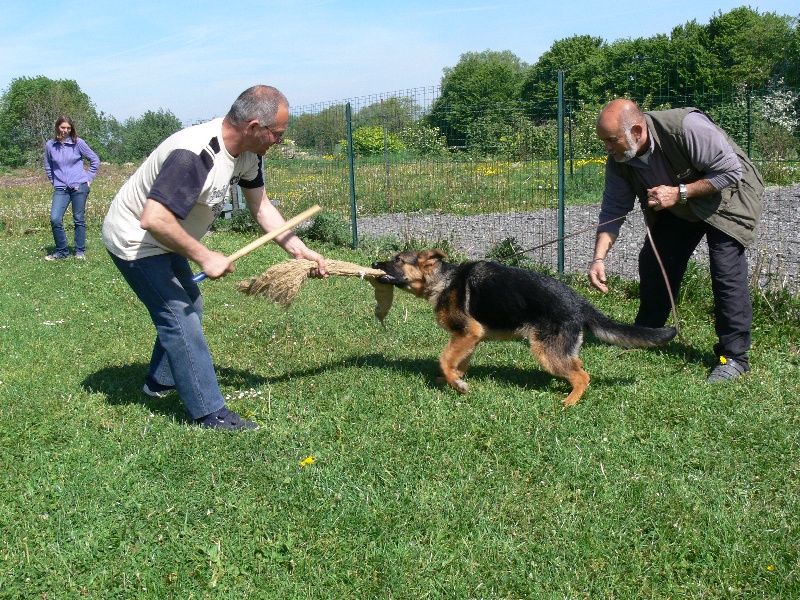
{"type": "Point", "coordinates": [22, 178]}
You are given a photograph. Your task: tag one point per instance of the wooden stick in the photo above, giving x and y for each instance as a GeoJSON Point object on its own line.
{"type": "Point", "coordinates": [306, 214]}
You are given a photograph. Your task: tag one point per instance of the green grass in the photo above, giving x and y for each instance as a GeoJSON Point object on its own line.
{"type": "Point", "coordinates": [463, 187]}
{"type": "Point", "coordinates": [656, 485]}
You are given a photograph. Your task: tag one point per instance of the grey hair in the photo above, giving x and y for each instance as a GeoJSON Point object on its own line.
{"type": "Point", "coordinates": [258, 103]}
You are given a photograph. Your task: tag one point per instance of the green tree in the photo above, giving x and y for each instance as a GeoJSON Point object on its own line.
{"type": "Point", "coordinates": [752, 48]}
{"type": "Point", "coordinates": [630, 67]}
{"type": "Point", "coordinates": [28, 111]}
{"type": "Point", "coordinates": [540, 84]}
{"type": "Point", "coordinates": [322, 131]}
{"type": "Point", "coordinates": [582, 119]}
{"type": "Point", "coordinates": [692, 65]}
{"type": "Point", "coordinates": [394, 113]}
{"type": "Point", "coordinates": [105, 138]}
{"type": "Point", "coordinates": [141, 136]}
{"type": "Point", "coordinates": [483, 85]}
{"type": "Point", "coordinates": [697, 64]}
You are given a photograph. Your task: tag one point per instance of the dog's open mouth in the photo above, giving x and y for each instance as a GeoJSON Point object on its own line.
{"type": "Point", "coordinates": [389, 278]}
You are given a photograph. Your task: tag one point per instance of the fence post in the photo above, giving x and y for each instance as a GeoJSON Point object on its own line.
{"type": "Point", "coordinates": [386, 155]}
{"type": "Point", "coordinates": [351, 166]}
{"type": "Point", "coordinates": [749, 121]}
{"type": "Point", "coordinates": [561, 179]}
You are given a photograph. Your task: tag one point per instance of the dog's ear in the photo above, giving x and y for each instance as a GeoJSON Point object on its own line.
{"type": "Point", "coordinates": [432, 255]}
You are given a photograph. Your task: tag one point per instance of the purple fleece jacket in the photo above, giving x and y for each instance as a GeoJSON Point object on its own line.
{"type": "Point", "coordinates": [63, 162]}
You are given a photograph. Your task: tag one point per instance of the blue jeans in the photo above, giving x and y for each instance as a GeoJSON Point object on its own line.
{"type": "Point", "coordinates": [181, 357]}
{"type": "Point", "coordinates": [62, 197]}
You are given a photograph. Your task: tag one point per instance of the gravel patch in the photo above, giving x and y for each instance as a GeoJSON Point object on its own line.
{"type": "Point", "coordinates": [775, 255]}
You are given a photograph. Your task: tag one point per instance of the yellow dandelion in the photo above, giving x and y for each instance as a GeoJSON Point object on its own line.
{"type": "Point", "coordinates": [307, 461]}
{"type": "Point", "coordinates": [723, 360]}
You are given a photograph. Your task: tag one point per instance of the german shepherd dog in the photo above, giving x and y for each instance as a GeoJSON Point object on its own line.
{"type": "Point", "coordinates": [484, 300]}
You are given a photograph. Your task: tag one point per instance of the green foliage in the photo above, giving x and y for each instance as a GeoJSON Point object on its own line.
{"type": "Point", "coordinates": [374, 141]}
{"type": "Point", "coordinates": [490, 135]}
{"type": "Point", "coordinates": [322, 131]}
{"type": "Point", "coordinates": [540, 84]}
{"type": "Point", "coordinates": [743, 65]}
{"type": "Point", "coordinates": [384, 247]}
{"type": "Point", "coordinates": [240, 221]}
{"type": "Point", "coordinates": [511, 137]}
{"type": "Point", "coordinates": [30, 107]}
{"type": "Point", "coordinates": [424, 140]}
{"type": "Point", "coordinates": [764, 125]}
{"type": "Point", "coordinates": [141, 136]}
{"type": "Point", "coordinates": [482, 85]}
{"type": "Point", "coordinates": [28, 112]}
{"type": "Point", "coordinates": [394, 113]}
{"type": "Point", "coordinates": [325, 227]}
{"type": "Point", "coordinates": [752, 49]}
{"type": "Point", "coordinates": [582, 118]}
{"type": "Point", "coordinates": [509, 252]}
{"type": "Point", "coordinates": [696, 64]}
{"type": "Point", "coordinates": [328, 228]}
{"type": "Point", "coordinates": [491, 104]}
{"type": "Point", "coordinates": [380, 247]}
{"type": "Point", "coordinates": [105, 138]}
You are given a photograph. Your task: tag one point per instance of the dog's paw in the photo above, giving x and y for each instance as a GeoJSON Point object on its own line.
{"type": "Point", "coordinates": [458, 384]}
{"type": "Point", "coordinates": [570, 401]}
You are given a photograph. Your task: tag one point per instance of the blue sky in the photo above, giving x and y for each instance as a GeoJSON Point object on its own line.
{"type": "Point", "coordinates": [194, 57]}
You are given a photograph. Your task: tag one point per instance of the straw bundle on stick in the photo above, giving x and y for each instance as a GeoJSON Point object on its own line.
{"type": "Point", "coordinates": [281, 282]}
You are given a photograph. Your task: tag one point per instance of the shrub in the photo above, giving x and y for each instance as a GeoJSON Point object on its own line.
{"type": "Point", "coordinates": [369, 141]}
{"type": "Point", "coordinates": [424, 140]}
{"type": "Point", "coordinates": [241, 221]}
{"type": "Point", "coordinates": [506, 251]}
{"type": "Point", "coordinates": [329, 228]}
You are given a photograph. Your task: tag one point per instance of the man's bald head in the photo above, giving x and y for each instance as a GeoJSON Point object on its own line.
{"type": "Point", "coordinates": [623, 129]}
{"type": "Point", "coordinates": [621, 114]}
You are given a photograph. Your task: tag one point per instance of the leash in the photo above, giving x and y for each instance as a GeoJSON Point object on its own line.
{"type": "Point", "coordinates": [652, 245]}
{"type": "Point", "coordinates": [562, 238]}
{"type": "Point", "coordinates": [666, 281]}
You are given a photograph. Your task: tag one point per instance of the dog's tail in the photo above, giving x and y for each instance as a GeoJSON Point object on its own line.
{"type": "Point", "coordinates": [630, 336]}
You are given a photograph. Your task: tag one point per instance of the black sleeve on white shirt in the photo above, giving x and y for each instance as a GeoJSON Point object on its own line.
{"type": "Point", "coordinates": [257, 181]}
{"type": "Point", "coordinates": [178, 184]}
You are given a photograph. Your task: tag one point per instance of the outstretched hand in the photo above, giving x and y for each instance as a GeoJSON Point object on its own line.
{"type": "Point", "coordinates": [597, 275]}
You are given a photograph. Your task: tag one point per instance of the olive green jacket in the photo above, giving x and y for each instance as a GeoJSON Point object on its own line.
{"type": "Point", "coordinates": [735, 209]}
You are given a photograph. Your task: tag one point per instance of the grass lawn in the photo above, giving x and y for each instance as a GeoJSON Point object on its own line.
{"type": "Point", "coordinates": [367, 479]}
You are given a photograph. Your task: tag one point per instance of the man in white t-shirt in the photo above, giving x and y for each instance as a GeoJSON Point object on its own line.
{"type": "Point", "coordinates": [156, 221]}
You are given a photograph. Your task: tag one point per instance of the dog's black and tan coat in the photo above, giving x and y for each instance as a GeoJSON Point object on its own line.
{"type": "Point", "coordinates": [484, 300]}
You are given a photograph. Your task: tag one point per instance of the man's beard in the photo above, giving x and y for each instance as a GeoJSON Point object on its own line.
{"type": "Point", "coordinates": [630, 153]}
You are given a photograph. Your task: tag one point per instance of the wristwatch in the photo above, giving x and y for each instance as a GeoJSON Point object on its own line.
{"type": "Point", "coordinates": [682, 194]}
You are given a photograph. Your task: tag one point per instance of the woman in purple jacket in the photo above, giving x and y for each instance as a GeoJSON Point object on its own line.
{"type": "Point", "coordinates": [63, 163]}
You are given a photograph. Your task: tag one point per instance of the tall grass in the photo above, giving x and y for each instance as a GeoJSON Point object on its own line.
{"type": "Point", "coordinates": [26, 195]}
{"type": "Point", "coordinates": [458, 187]}
{"type": "Point", "coordinates": [461, 187]}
